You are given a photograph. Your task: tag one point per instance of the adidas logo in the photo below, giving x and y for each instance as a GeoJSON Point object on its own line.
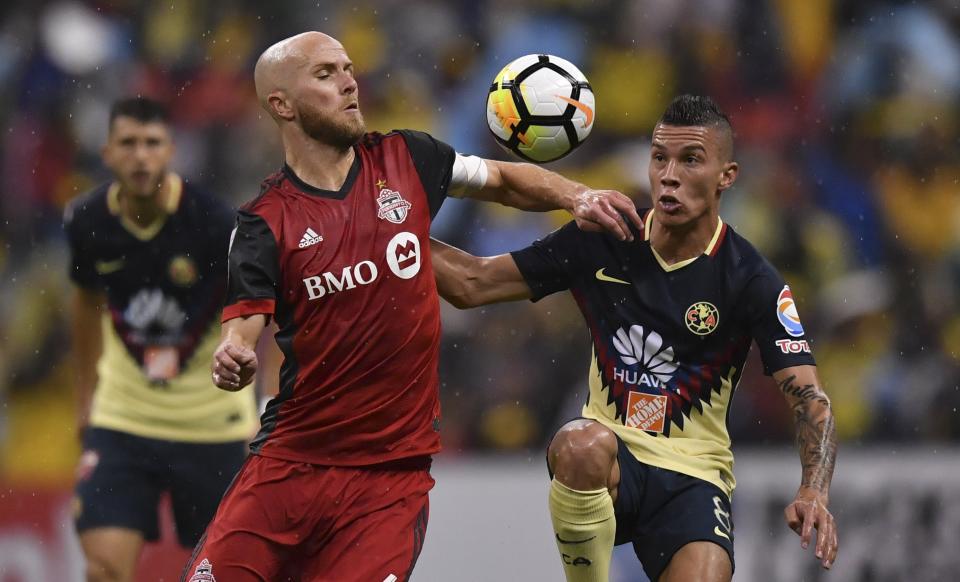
{"type": "Point", "coordinates": [310, 237]}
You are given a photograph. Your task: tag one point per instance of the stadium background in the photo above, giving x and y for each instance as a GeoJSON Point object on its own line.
{"type": "Point", "coordinates": [847, 125]}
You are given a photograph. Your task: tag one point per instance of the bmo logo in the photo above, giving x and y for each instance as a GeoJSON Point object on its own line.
{"type": "Point", "coordinates": [403, 255]}
{"type": "Point", "coordinates": [403, 258]}
{"type": "Point", "coordinates": [363, 273]}
{"type": "Point", "coordinates": [793, 346]}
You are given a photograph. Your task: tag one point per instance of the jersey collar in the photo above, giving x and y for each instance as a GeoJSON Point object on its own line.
{"type": "Point", "coordinates": [171, 203]}
{"type": "Point", "coordinates": [712, 247]}
{"type": "Point", "coordinates": [340, 194]}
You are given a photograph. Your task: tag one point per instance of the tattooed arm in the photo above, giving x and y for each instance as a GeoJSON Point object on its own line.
{"type": "Point", "coordinates": [817, 444]}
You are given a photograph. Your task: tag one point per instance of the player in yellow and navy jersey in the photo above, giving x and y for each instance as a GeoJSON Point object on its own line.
{"type": "Point", "coordinates": [672, 315]}
{"type": "Point", "coordinates": [148, 261]}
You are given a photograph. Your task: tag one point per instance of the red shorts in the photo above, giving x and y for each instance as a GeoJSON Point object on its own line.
{"type": "Point", "coordinates": [283, 520]}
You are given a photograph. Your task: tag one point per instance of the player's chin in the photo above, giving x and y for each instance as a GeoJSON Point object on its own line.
{"type": "Point", "coordinates": [140, 184]}
{"type": "Point", "coordinates": [673, 216]}
{"type": "Point", "coordinates": [349, 131]}
{"type": "Point", "coordinates": [355, 124]}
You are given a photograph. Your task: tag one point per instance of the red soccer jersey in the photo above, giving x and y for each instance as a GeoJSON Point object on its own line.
{"type": "Point", "coordinates": [348, 278]}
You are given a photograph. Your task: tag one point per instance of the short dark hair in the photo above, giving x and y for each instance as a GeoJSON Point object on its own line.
{"type": "Point", "coordinates": [143, 109]}
{"type": "Point", "coordinates": [687, 110]}
{"type": "Point", "coordinates": [694, 110]}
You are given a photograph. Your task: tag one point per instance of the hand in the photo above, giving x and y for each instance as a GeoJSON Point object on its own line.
{"type": "Point", "coordinates": [603, 211]}
{"type": "Point", "coordinates": [807, 511]}
{"type": "Point", "coordinates": [233, 366]}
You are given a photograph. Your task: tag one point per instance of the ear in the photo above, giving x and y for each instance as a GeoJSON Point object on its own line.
{"type": "Point", "coordinates": [728, 175]}
{"type": "Point", "coordinates": [280, 106]}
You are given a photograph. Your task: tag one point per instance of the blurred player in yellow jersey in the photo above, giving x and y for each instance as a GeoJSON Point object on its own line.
{"type": "Point", "coordinates": [672, 313]}
{"type": "Point", "coordinates": [148, 261]}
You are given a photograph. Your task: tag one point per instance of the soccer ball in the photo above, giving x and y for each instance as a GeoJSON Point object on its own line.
{"type": "Point", "coordinates": [540, 107]}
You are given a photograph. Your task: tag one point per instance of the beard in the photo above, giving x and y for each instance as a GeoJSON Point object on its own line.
{"type": "Point", "coordinates": [339, 134]}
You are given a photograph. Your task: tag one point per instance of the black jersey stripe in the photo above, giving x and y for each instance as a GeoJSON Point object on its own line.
{"type": "Point", "coordinates": [289, 372]}
{"type": "Point", "coordinates": [419, 534]}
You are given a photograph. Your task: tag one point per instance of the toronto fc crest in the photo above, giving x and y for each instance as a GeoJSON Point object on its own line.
{"type": "Point", "coordinates": [203, 573]}
{"type": "Point", "coordinates": [392, 206]}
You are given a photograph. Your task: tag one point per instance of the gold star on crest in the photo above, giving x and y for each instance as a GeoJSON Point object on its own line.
{"type": "Point", "coordinates": [381, 183]}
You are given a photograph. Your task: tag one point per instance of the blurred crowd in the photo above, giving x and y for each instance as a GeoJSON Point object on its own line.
{"type": "Point", "coordinates": [847, 138]}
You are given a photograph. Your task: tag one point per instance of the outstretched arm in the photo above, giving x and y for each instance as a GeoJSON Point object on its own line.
{"type": "Point", "coordinates": [530, 187]}
{"type": "Point", "coordinates": [817, 444]}
{"type": "Point", "coordinates": [468, 281]}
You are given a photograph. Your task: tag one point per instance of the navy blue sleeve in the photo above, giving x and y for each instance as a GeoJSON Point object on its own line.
{"type": "Point", "coordinates": [82, 270]}
{"type": "Point", "coordinates": [548, 264]}
{"type": "Point", "coordinates": [222, 220]}
{"type": "Point", "coordinates": [218, 220]}
{"type": "Point", "coordinates": [434, 162]}
{"type": "Point", "coordinates": [775, 323]}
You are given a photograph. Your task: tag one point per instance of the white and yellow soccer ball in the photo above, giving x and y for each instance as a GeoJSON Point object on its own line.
{"type": "Point", "coordinates": [540, 107]}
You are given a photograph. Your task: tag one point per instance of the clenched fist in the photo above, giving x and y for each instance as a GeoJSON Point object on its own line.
{"type": "Point", "coordinates": [233, 366]}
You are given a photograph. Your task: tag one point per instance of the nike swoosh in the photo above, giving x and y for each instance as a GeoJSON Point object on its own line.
{"type": "Point", "coordinates": [582, 107]}
{"type": "Point", "coordinates": [719, 532]}
{"type": "Point", "coordinates": [563, 541]}
{"type": "Point", "coordinates": [107, 267]}
{"type": "Point", "coordinates": [602, 277]}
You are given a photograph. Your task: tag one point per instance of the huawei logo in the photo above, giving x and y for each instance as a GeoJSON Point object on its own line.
{"type": "Point", "coordinates": [657, 363]}
{"type": "Point", "coordinates": [151, 308]}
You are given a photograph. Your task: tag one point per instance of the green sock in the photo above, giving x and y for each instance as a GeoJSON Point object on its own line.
{"type": "Point", "coordinates": [584, 528]}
